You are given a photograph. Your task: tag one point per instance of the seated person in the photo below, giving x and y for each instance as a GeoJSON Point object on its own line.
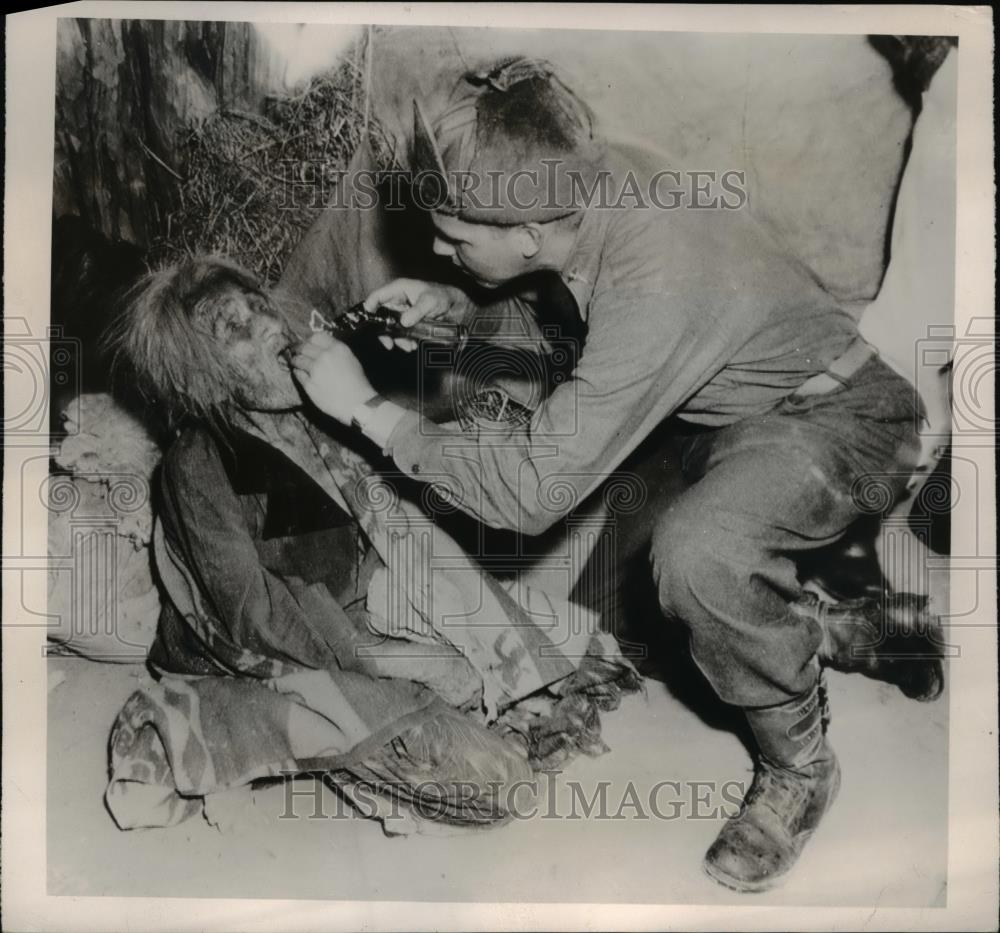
{"type": "Point", "coordinates": [265, 648]}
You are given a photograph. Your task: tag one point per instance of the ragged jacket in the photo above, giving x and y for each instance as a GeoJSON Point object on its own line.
{"type": "Point", "coordinates": [256, 532]}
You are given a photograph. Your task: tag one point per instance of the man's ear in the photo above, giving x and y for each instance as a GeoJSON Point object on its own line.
{"type": "Point", "coordinates": [528, 238]}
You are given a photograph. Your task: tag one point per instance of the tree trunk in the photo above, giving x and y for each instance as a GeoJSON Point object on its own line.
{"type": "Point", "coordinates": [124, 90]}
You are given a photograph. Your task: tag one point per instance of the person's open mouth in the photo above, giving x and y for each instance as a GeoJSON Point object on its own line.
{"type": "Point", "coordinates": [285, 355]}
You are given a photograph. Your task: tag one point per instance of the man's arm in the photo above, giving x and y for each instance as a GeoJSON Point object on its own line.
{"type": "Point", "coordinates": [634, 372]}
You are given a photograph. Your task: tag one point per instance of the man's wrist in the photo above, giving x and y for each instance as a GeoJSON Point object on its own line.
{"type": "Point", "coordinates": [376, 418]}
{"type": "Point", "coordinates": [466, 307]}
{"type": "Point", "coordinates": [364, 410]}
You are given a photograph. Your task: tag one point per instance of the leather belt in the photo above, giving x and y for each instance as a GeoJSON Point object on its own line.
{"type": "Point", "coordinates": [837, 374]}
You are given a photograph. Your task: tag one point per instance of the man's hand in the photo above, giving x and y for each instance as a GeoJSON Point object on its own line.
{"type": "Point", "coordinates": [417, 301]}
{"type": "Point", "coordinates": [331, 376]}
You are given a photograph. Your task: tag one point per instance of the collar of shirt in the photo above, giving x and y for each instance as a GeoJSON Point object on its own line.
{"type": "Point", "coordinates": [581, 269]}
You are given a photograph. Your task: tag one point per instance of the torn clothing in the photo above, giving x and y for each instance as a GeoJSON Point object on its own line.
{"type": "Point", "coordinates": [252, 531]}
{"type": "Point", "coordinates": [298, 638]}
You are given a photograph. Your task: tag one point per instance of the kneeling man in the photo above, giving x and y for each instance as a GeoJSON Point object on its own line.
{"type": "Point", "coordinates": [689, 314]}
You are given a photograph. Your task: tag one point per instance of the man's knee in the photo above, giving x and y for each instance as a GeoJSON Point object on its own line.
{"type": "Point", "coordinates": [678, 549]}
{"type": "Point", "coordinates": [695, 555]}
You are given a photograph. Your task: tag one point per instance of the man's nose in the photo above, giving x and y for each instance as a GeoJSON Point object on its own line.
{"type": "Point", "coordinates": [443, 247]}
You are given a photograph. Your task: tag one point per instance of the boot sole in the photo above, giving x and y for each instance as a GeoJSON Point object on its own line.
{"type": "Point", "coordinates": [741, 887]}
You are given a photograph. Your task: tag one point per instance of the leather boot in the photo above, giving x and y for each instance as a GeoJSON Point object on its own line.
{"type": "Point", "coordinates": [894, 639]}
{"type": "Point", "coordinates": [795, 782]}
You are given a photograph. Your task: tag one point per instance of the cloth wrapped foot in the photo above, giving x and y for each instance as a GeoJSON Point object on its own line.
{"type": "Point", "coordinates": [450, 769]}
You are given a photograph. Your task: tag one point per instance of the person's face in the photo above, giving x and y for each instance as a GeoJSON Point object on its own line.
{"type": "Point", "coordinates": [490, 255]}
{"type": "Point", "coordinates": [253, 338]}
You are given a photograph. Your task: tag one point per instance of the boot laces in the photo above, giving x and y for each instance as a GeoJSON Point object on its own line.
{"type": "Point", "coordinates": [781, 790]}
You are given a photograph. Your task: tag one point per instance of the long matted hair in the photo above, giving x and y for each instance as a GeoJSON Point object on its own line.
{"type": "Point", "coordinates": [176, 367]}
